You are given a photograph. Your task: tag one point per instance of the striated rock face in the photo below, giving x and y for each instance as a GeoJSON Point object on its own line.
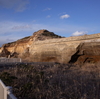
{"type": "Point", "coordinates": [45, 46]}
{"type": "Point", "coordinates": [52, 52]}
{"type": "Point", "coordinates": [87, 52]}
{"type": "Point", "coordinates": [17, 47]}
{"type": "Point", "coordinates": [80, 49]}
{"type": "Point", "coordinates": [20, 47]}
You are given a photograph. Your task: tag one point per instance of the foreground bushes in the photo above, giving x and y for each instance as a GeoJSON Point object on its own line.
{"type": "Point", "coordinates": [53, 81]}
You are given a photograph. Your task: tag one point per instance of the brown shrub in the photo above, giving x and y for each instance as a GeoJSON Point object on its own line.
{"type": "Point", "coordinates": [55, 81]}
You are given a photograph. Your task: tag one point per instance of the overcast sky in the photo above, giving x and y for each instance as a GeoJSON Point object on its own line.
{"type": "Point", "coordinates": [20, 18]}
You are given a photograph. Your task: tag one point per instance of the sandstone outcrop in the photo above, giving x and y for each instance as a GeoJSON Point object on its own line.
{"type": "Point", "coordinates": [45, 46]}
{"type": "Point", "coordinates": [87, 52]}
{"type": "Point", "coordinates": [77, 50]}
{"type": "Point", "coordinates": [22, 46]}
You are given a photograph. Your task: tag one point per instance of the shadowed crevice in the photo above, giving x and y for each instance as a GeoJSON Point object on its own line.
{"type": "Point", "coordinates": [74, 57]}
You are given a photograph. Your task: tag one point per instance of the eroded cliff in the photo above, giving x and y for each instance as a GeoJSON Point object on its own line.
{"type": "Point", "coordinates": [45, 46]}
{"type": "Point", "coordinates": [22, 46]}
{"type": "Point", "coordinates": [77, 50]}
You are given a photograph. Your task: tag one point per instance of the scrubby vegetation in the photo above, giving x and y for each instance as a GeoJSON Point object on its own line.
{"type": "Point", "coordinates": [51, 34]}
{"type": "Point", "coordinates": [53, 81]}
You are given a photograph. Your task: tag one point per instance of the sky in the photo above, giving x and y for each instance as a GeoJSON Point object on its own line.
{"type": "Point", "coordinates": [21, 18]}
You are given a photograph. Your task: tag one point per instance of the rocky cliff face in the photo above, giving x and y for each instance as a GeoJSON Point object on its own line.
{"type": "Point", "coordinates": [78, 50]}
{"type": "Point", "coordinates": [87, 52]}
{"type": "Point", "coordinates": [19, 47]}
{"type": "Point", "coordinates": [45, 46]}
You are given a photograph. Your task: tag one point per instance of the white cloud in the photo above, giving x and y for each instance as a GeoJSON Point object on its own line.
{"type": "Point", "coordinates": [17, 5]}
{"type": "Point", "coordinates": [9, 27]}
{"type": "Point", "coordinates": [48, 16]}
{"type": "Point", "coordinates": [65, 16]}
{"type": "Point", "coordinates": [20, 27]}
{"type": "Point", "coordinates": [47, 9]}
{"type": "Point", "coordinates": [78, 33]}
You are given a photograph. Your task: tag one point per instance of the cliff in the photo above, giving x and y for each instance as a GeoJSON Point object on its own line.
{"type": "Point", "coordinates": [21, 46]}
{"type": "Point", "coordinates": [79, 49]}
{"type": "Point", "coordinates": [45, 46]}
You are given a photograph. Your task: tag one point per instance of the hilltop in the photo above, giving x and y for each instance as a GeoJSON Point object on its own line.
{"type": "Point", "coordinates": [45, 46]}
{"type": "Point", "coordinates": [19, 47]}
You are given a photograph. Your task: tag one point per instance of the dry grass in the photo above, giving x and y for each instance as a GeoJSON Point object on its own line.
{"type": "Point", "coordinates": [54, 81]}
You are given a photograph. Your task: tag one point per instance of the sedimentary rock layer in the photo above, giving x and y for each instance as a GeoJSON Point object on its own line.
{"type": "Point", "coordinates": [22, 46]}
{"type": "Point", "coordinates": [67, 50]}
{"type": "Point", "coordinates": [45, 46]}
